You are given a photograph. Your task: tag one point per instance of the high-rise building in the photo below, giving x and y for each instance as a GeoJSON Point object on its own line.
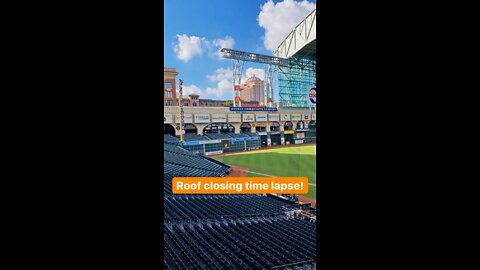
{"type": "Point", "coordinates": [169, 87]}
{"type": "Point", "coordinates": [253, 90]}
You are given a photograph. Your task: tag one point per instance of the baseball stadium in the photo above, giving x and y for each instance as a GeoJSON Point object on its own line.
{"type": "Point", "coordinates": [206, 138]}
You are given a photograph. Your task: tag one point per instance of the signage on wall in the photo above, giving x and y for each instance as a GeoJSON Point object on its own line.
{"type": "Point", "coordinates": [234, 118]}
{"type": "Point", "coordinates": [285, 117]}
{"type": "Point", "coordinates": [248, 117]}
{"type": "Point", "coordinates": [202, 118]}
{"type": "Point", "coordinates": [214, 152]}
{"type": "Point", "coordinates": [273, 117]}
{"type": "Point", "coordinates": [219, 118]}
{"type": "Point", "coordinates": [261, 117]}
{"type": "Point", "coordinates": [296, 117]}
{"type": "Point", "coordinates": [243, 139]}
{"type": "Point", "coordinates": [312, 95]}
{"type": "Point", "coordinates": [187, 119]}
{"type": "Point", "coordinates": [167, 119]}
{"type": "Point", "coordinates": [306, 117]}
{"type": "Point", "coordinates": [246, 109]}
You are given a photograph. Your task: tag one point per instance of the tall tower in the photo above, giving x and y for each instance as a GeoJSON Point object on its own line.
{"type": "Point", "coordinates": [253, 90]}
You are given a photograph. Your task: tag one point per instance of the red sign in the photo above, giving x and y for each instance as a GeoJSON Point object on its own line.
{"type": "Point", "coordinates": [237, 99]}
{"type": "Point", "coordinates": [236, 88]}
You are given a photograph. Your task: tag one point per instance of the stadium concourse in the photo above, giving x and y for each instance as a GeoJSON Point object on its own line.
{"type": "Point", "coordinates": [231, 231]}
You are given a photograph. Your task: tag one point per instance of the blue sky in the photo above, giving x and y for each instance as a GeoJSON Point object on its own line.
{"type": "Point", "coordinates": [194, 31]}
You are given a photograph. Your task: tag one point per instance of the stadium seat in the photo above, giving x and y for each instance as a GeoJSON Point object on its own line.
{"type": "Point", "coordinates": [229, 231]}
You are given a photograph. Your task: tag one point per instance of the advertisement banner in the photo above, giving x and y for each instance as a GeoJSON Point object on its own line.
{"type": "Point", "coordinates": [246, 109]}
{"type": "Point", "coordinates": [214, 152]}
{"type": "Point", "coordinates": [248, 117]}
{"type": "Point", "coordinates": [261, 117]}
{"type": "Point", "coordinates": [191, 143]}
{"type": "Point", "coordinates": [273, 117]}
{"type": "Point", "coordinates": [288, 132]}
{"type": "Point", "coordinates": [285, 117]}
{"type": "Point", "coordinates": [187, 118]}
{"type": "Point", "coordinates": [219, 118]}
{"type": "Point", "coordinates": [312, 95]}
{"type": "Point", "coordinates": [234, 118]}
{"type": "Point", "coordinates": [202, 118]}
{"type": "Point", "coordinates": [167, 119]}
{"type": "Point", "coordinates": [296, 117]}
{"type": "Point", "coordinates": [210, 141]}
{"type": "Point", "coordinates": [298, 141]}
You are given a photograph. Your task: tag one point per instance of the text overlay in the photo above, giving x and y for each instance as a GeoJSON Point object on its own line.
{"type": "Point", "coordinates": [239, 185]}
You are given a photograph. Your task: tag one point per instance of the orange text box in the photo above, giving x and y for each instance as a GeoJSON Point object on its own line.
{"type": "Point", "coordinates": [239, 185]}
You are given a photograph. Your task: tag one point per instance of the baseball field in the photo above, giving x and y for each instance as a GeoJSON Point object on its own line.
{"type": "Point", "coordinates": [282, 161]}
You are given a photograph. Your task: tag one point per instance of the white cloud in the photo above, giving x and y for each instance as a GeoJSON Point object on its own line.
{"type": "Point", "coordinates": [224, 88]}
{"type": "Point", "coordinates": [187, 47]}
{"type": "Point", "coordinates": [221, 74]}
{"type": "Point", "coordinates": [227, 42]}
{"type": "Point", "coordinates": [280, 19]}
{"type": "Point", "coordinates": [258, 72]}
{"type": "Point", "coordinates": [191, 89]}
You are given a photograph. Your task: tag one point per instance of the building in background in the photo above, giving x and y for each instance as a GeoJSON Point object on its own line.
{"type": "Point", "coordinates": [194, 100]}
{"type": "Point", "coordinates": [252, 91]}
{"type": "Point", "coordinates": [169, 87]}
{"type": "Point", "coordinates": [170, 94]}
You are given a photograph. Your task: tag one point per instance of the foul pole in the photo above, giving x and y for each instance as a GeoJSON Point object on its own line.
{"type": "Point", "coordinates": [180, 108]}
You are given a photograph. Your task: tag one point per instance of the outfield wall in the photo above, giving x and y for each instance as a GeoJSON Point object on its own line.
{"type": "Point", "coordinates": [216, 147]}
{"type": "Point", "coordinates": [200, 117]}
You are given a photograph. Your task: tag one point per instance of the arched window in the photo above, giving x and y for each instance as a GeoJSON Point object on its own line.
{"type": "Point", "coordinates": [274, 126]}
{"type": "Point", "coordinates": [301, 125]}
{"type": "Point", "coordinates": [288, 125]}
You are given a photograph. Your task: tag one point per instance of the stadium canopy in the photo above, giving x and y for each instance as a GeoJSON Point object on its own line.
{"type": "Point", "coordinates": [302, 41]}
{"type": "Point", "coordinates": [300, 47]}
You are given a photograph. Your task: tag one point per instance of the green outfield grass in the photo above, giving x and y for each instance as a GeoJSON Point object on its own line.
{"type": "Point", "coordinates": [286, 161]}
